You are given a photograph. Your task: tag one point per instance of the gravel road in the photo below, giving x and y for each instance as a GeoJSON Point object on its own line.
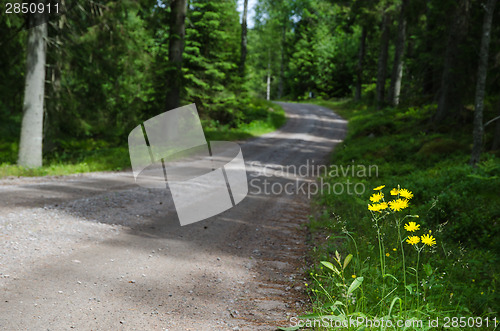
{"type": "Point", "coordinates": [97, 252]}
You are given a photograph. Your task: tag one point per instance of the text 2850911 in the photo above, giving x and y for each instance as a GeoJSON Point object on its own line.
{"type": "Point", "coordinates": [31, 8]}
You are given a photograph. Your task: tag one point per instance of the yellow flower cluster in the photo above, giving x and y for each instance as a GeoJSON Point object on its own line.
{"type": "Point", "coordinates": [426, 239]}
{"type": "Point", "coordinates": [398, 204]}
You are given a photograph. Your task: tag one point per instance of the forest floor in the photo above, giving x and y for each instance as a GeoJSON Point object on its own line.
{"type": "Point", "coordinates": [96, 252]}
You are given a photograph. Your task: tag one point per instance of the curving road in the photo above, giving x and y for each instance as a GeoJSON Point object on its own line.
{"type": "Point", "coordinates": [96, 252]}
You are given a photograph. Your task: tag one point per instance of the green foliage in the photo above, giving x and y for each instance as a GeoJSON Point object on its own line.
{"type": "Point", "coordinates": [114, 49]}
{"type": "Point", "coordinates": [211, 56]}
{"type": "Point", "coordinates": [460, 203]}
{"type": "Point", "coordinates": [108, 65]}
{"type": "Point", "coordinates": [325, 57]}
{"type": "Point", "coordinates": [12, 66]}
{"type": "Point", "coordinates": [107, 71]}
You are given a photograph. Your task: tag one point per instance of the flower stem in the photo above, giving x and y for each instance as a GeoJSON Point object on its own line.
{"type": "Point", "coordinates": [403, 255]}
{"type": "Point", "coordinates": [416, 273]}
{"type": "Point", "coordinates": [382, 265]}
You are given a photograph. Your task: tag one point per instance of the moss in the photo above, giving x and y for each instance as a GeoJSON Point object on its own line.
{"type": "Point", "coordinates": [441, 147]}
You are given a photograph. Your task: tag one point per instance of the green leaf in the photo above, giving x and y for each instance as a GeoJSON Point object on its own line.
{"type": "Point", "coordinates": [347, 260]}
{"type": "Point", "coordinates": [331, 267]}
{"type": "Point", "coordinates": [338, 303]}
{"type": "Point", "coordinates": [428, 269]}
{"type": "Point", "coordinates": [392, 305]}
{"type": "Point", "coordinates": [389, 275]}
{"type": "Point", "coordinates": [333, 306]}
{"type": "Point", "coordinates": [355, 284]}
{"type": "Point", "coordinates": [327, 264]}
{"type": "Point", "coordinates": [409, 288]}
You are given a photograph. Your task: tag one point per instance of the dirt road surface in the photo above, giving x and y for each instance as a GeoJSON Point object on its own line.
{"type": "Point", "coordinates": [97, 252]}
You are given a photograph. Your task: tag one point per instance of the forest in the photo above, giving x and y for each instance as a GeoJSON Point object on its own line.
{"type": "Point", "coordinates": [385, 53]}
{"type": "Point", "coordinates": [418, 81]}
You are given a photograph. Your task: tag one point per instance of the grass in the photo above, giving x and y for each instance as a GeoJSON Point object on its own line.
{"type": "Point", "coordinates": [261, 117]}
{"type": "Point", "coordinates": [457, 277]}
{"type": "Point", "coordinates": [97, 155]}
{"type": "Point", "coordinates": [103, 159]}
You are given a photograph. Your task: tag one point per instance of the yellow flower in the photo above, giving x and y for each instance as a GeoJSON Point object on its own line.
{"type": "Point", "coordinates": [378, 206]}
{"type": "Point", "coordinates": [353, 276]}
{"type": "Point", "coordinates": [413, 240]}
{"type": "Point", "coordinates": [394, 249]}
{"type": "Point", "coordinates": [378, 188]}
{"type": "Point", "coordinates": [428, 240]}
{"type": "Point", "coordinates": [412, 226]}
{"type": "Point", "coordinates": [394, 191]}
{"type": "Point", "coordinates": [398, 204]}
{"type": "Point", "coordinates": [376, 197]}
{"type": "Point", "coordinates": [405, 193]}
{"type": "Point", "coordinates": [387, 254]}
{"type": "Point", "coordinates": [306, 284]}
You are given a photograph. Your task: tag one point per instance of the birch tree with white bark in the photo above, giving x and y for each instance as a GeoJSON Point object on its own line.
{"type": "Point", "coordinates": [30, 146]}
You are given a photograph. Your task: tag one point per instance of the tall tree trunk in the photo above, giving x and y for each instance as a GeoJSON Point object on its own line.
{"type": "Point", "coordinates": [178, 10]}
{"type": "Point", "coordinates": [53, 106]}
{"type": "Point", "coordinates": [30, 146]}
{"type": "Point", "coordinates": [361, 57]}
{"type": "Point", "coordinates": [268, 89]}
{"type": "Point", "coordinates": [481, 83]}
{"type": "Point", "coordinates": [429, 68]}
{"type": "Point", "coordinates": [397, 68]}
{"type": "Point", "coordinates": [449, 96]}
{"type": "Point", "coordinates": [282, 62]}
{"type": "Point", "coordinates": [243, 38]}
{"type": "Point", "coordinates": [496, 136]}
{"type": "Point", "coordinates": [382, 59]}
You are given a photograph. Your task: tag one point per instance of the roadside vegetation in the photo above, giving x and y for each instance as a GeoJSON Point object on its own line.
{"type": "Point", "coordinates": [85, 155]}
{"type": "Point", "coordinates": [107, 66]}
{"type": "Point", "coordinates": [423, 241]}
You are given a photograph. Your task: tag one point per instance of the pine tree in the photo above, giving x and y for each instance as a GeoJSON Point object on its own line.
{"type": "Point", "coordinates": [212, 55]}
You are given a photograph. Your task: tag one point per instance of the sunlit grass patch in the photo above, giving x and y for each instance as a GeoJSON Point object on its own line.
{"type": "Point", "coordinates": [270, 119]}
